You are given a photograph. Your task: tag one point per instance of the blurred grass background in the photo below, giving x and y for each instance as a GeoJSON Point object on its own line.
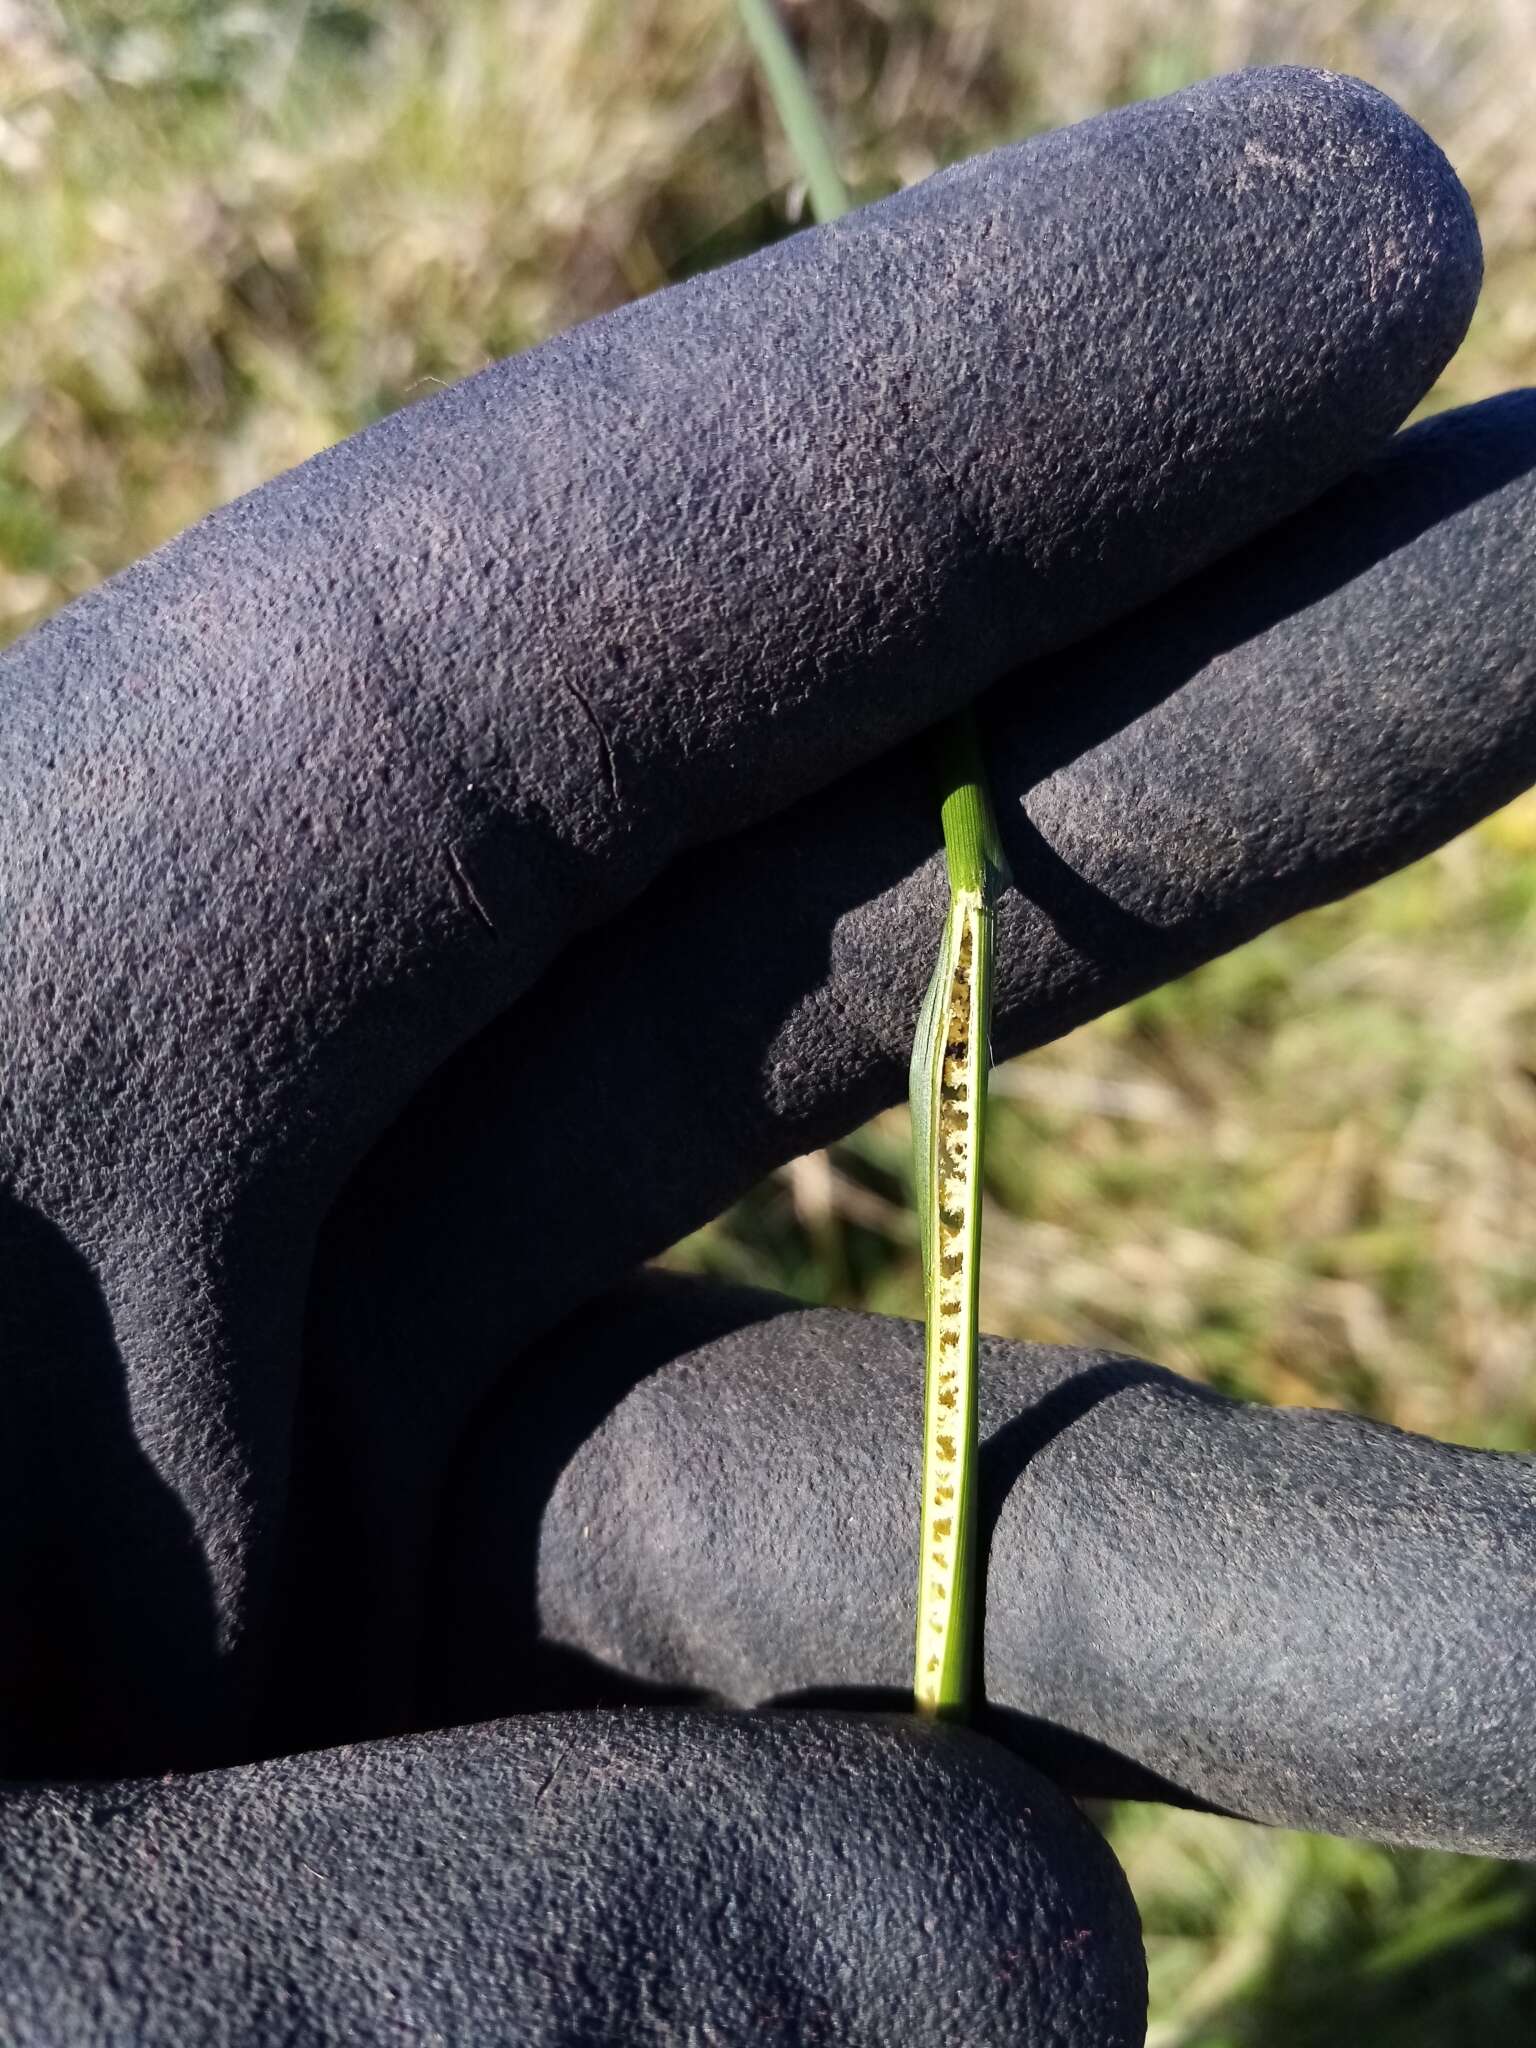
{"type": "Point", "coordinates": [230, 234]}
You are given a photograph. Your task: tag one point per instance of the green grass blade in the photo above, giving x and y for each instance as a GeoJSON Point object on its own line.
{"type": "Point", "coordinates": [796, 106]}
{"type": "Point", "coordinates": [973, 851]}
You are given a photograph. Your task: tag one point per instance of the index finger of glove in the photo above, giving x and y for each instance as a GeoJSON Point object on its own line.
{"type": "Point", "coordinates": [494, 662]}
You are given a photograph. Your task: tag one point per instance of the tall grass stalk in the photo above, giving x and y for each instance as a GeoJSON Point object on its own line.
{"type": "Point", "coordinates": [950, 1058]}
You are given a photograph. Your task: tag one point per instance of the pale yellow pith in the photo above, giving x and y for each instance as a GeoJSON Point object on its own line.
{"type": "Point", "coordinates": [950, 1337]}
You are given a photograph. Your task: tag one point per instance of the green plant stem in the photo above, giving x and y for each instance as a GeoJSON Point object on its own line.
{"type": "Point", "coordinates": [951, 1055]}
{"type": "Point", "coordinates": [950, 1059]}
{"type": "Point", "coordinates": [796, 106]}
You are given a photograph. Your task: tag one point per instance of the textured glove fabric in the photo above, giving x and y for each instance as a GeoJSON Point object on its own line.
{"type": "Point", "coordinates": [1304, 1618]}
{"type": "Point", "coordinates": [305, 800]}
{"type": "Point", "coordinates": [613, 1880]}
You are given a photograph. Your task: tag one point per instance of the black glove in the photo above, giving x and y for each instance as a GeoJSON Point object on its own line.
{"type": "Point", "coordinates": [443, 878]}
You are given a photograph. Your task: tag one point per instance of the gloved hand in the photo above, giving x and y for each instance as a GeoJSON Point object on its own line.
{"type": "Point", "coordinates": [443, 878]}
